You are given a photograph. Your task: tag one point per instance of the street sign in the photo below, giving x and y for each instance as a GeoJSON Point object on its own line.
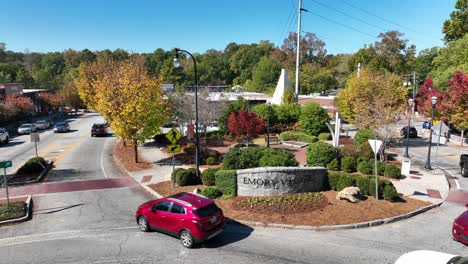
{"type": "Point", "coordinates": [173, 148]}
{"type": "Point", "coordinates": [35, 137]}
{"type": "Point", "coordinates": [375, 144]}
{"type": "Point", "coordinates": [6, 164]}
{"type": "Point", "coordinates": [173, 135]}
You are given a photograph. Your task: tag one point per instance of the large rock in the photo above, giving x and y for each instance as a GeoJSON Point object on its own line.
{"type": "Point", "coordinates": [351, 194]}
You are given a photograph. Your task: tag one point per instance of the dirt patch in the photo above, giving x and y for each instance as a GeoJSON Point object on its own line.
{"type": "Point", "coordinates": [333, 213]}
{"type": "Point", "coordinates": [126, 156]}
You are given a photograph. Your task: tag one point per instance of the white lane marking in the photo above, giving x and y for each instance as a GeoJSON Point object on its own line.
{"type": "Point", "coordinates": [102, 155]}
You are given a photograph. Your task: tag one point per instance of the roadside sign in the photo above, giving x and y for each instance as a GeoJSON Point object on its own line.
{"type": "Point", "coordinates": [173, 135]}
{"type": "Point", "coordinates": [35, 137]}
{"type": "Point", "coordinates": [6, 164]}
{"type": "Point", "coordinates": [173, 148]}
{"type": "Point", "coordinates": [375, 144]}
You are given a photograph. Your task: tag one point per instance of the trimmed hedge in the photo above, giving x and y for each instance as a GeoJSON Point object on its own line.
{"type": "Point", "coordinates": [211, 192]}
{"type": "Point", "coordinates": [177, 171]}
{"type": "Point", "coordinates": [390, 193]}
{"type": "Point", "coordinates": [345, 180]}
{"type": "Point", "coordinates": [334, 165]}
{"type": "Point", "coordinates": [363, 150]}
{"type": "Point", "coordinates": [226, 182]}
{"type": "Point", "coordinates": [325, 136]}
{"type": "Point", "coordinates": [243, 158]}
{"type": "Point", "coordinates": [348, 164]}
{"type": "Point", "coordinates": [364, 167]}
{"type": "Point", "coordinates": [320, 154]}
{"type": "Point", "coordinates": [333, 179]}
{"type": "Point", "coordinates": [33, 165]}
{"type": "Point", "coordinates": [187, 177]}
{"type": "Point", "coordinates": [210, 161]}
{"type": "Point", "coordinates": [363, 184]}
{"type": "Point", "coordinates": [392, 171]}
{"type": "Point", "coordinates": [208, 176]}
{"type": "Point", "coordinates": [297, 136]}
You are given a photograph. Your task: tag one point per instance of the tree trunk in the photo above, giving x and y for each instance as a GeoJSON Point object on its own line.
{"type": "Point", "coordinates": [135, 148]}
{"type": "Point", "coordinates": [124, 143]}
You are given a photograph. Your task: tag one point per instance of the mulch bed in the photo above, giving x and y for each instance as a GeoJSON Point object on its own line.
{"type": "Point", "coordinates": [333, 213]}
{"type": "Point", "coordinates": [15, 210]}
{"type": "Point", "coordinates": [126, 155]}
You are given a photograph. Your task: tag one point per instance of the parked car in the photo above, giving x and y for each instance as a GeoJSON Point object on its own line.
{"type": "Point", "coordinates": [42, 124]}
{"type": "Point", "coordinates": [26, 129]}
{"type": "Point", "coordinates": [426, 125]}
{"type": "Point", "coordinates": [413, 133]}
{"type": "Point", "coordinates": [460, 227]}
{"type": "Point", "coordinates": [99, 130]}
{"type": "Point", "coordinates": [61, 127]}
{"type": "Point", "coordinates": [190, 217]}
{"type": "Point", "coordinates": [464, 165]}
{"type": "Point", "coordinates": [4, 136]}
{"type": "Point", "coordinates": [430, 257]}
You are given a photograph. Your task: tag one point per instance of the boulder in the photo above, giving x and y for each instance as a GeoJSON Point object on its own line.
{"type": "Point", "coordinates": [197, 191]}
{"type": "Point", "coordinates": [351, 194]}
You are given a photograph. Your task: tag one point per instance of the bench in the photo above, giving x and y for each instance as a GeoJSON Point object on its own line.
{"type": "Point", "coordinates": [273, 140]}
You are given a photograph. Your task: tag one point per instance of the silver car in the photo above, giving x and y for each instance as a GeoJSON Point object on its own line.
{"type": "Point", "coordinates": [61, 127]}
{"type": "Point", "coordinates": [42, 124]}
{"type": "Point", "coordinates": [4, 137]}
{"type": "Point", "coordinates": [26, 129]}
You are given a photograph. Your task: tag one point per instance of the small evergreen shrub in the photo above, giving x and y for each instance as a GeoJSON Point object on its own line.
{"type": "Point", "coordinates": [177, 171]}
{"type": "Point", "coordinates": [364, 167]}
{"type": "Point", "coordinates": [297, 136]}
{"type": "Point", "coordinates": [187, 177]}
{"type": "Point", "coordinates": [33, 165]}
{"type": "Point", "coordinates": [346, 180]}
{"type": "Point", "coordinates": [208, 176]}
{"type": "Point", "coordinates": [320, 154]}
{"type": "Point", "coordinates": [392, 171]}
{"type": "Point", "coordinates": [277, 158]}
{"type": "Point", "coordinates": [362, 136]}
{"type": "Point", "coordinates": [333, 178]}
{"type": "Point", "coordinates": [334, 165]}
{"type": "Point", "coordinates": [390, 193]}
{"type": "Point", "coordinates": [381, 166]}
{"type": "Point", "coordinates": [190, 149]}
{"type": "Point", "coordinates": [348, 164]}
{"type": "Point", "coordinates": [226, 182]}
{"type": "Point", "coordinates": [325, 136]}
{"type": "Point", "coordinates": [211, 192]}
{"type": "Point", "coordinates": [210, 161]}
{"type": "Point", "coordinates": [362, 183]}
{"type": "Point", "coordinates": [361, 159]}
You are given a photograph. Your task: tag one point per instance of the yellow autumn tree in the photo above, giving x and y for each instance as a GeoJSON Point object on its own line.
{"type": "Point", "coordinates": [126, 95]}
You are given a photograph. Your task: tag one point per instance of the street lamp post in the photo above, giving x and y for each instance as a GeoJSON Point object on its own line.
{"type": "Point", "coordinates": [268, 124]}
{"type": "Point", "coordinates": [428, 161]}
{"type": "Point", "coordinates": [410, 104]}
{"type": "Point", "coordinates": [197, 135]}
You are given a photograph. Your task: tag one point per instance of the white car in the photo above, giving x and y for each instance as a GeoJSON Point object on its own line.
{"type": "Point", "coordinates": [42, 124]}
{"type": "Point", "coordinates": [26, 129]}
{"type": "Point", "coordinates": [429, 257]}
{"type": "Point", "coordinates": [4, 136]}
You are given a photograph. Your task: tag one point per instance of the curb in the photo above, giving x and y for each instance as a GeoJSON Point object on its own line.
{"type": "Point", "coordinates": [39, 178]}
{"type": "Point", "coordinates": [28, 208]}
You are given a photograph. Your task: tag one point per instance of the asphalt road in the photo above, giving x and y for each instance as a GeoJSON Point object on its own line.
{"type": "Point", "coordinates": [98, 226]}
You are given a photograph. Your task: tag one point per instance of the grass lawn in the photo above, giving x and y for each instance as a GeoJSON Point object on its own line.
{"type": "Point", "coordinates": [15, 210]}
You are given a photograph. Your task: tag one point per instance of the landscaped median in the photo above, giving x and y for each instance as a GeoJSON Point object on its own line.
{"type": "Point", "coordinates": [18, 209]}
{"type": "Point", "coordinates": [33, 171]}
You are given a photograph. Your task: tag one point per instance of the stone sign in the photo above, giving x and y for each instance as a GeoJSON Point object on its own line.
{"type": "Point", "coordinates": [268, 181]}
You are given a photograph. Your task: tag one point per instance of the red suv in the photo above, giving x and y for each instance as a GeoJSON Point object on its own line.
{"type": "Point", "coordinates": [191, 217]}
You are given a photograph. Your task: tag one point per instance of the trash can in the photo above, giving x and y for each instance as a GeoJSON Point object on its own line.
{"type": "Point", "coordinates": [405, 167]}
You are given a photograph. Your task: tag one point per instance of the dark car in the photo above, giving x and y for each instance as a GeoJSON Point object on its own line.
{"type": "Point", "coordinates": [413, 133]}
{"type": "Point", "coordinates": [61, 127]}
{"type": "Point", "coordinates": [464, 165]}
{"type": "Point", "coordinates": [99, 130]}
{"type": "Point", "coordinates": [190, 217]}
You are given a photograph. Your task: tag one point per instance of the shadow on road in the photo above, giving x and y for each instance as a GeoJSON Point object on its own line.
{"type": "Point", "coordinates": [233, 233]}
{"type": "Point", "coordinates": [12, 143]}
{"type": "Point", "coordinates": [55, 209]}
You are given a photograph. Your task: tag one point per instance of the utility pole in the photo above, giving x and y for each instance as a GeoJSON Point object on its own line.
{"type": "Point", "coordinates": [359, 70]}
{"type": "Point", "coordinates": [414, 91]}
{"type": "Point", "coordinates": [296, 91]}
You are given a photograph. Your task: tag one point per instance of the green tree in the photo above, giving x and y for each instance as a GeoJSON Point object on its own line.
{"type": "Point", "coordinates": [244, 59]}
{"type": "Point", "coordinates": [422, 64]}
{"type": "Point", "coordinates": [265, 75]}
{"type": "Point", "coordinates": [316, 79]}
{"type": "Point", "coordinates": [313, 118]}
{"type": "Point", "coordinates": [457, 26]}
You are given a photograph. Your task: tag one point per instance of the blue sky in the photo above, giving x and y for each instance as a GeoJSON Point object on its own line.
{"type": "Point", "coordinates": [196, 26]}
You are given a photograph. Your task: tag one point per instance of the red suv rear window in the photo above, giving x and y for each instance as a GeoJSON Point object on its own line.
{"type": "Point", "coordinates": [208, 210]}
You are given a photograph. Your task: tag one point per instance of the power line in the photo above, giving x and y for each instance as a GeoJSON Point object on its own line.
{"type": "Point", "coordinates": [341, 24]}
{"type": "Point", "coordinates": [350, 16]}
{"type": "Point", "coordinates": [288, 21]}
{"type": "Point", "coordinates": [377, 16]}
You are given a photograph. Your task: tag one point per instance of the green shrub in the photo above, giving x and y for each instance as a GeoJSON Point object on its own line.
{"type": "Point", "coordinates": [226, 182]}
{"type": "Point", "coordinates": [333, 179]}
{"type": "Point", "coordinates": [381, 187]}
{"type": "Point", "coordinates": [381, 166]}
{"type": "Point", "coordinates": [177, 171]}
{"type": "Point", "coordinates": [346, 180]}
{"type": "Point", "coordinates": [361, 159]}
{"type": "Point", "coordinates": [362, 136]}
{"type": "Point", "coordinates": [390, 193]}
{"type": "Point", "coordinates": [297, 136]}
{"type": "Point", "coordinates": [349, 151]}
{"type": "Point", "coordinates": [348, 164]}
{"type": "Point", "coordinates": [211, 193]}
{"type": "Point", "coordinates": [33, 165]}
{"type": "Point", "coordinates": [187, 177]}
{"type": "Point", "coordinates": [362, 182]}
{"type": "Point", "coordinates": [325, 136]}
{"type": "Point", "coordinates": [334, 165]}
{"type": "Point", "coordinates": [392, 171]}
{"type": "Point", "coordinates": [210, 161]}
{"type": "Point", "coordinates": [277, 158]}
{"type": "Point", "coordinates": [208, 176]}
{"type": "Point", "coordinates": [364, 167]}
{"type": "Point", "coordinates": [190, 149]}
{"type": "Point", "coordinates": [313, 118]}
{"type": "Point", "coordinates": [320, 154]}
